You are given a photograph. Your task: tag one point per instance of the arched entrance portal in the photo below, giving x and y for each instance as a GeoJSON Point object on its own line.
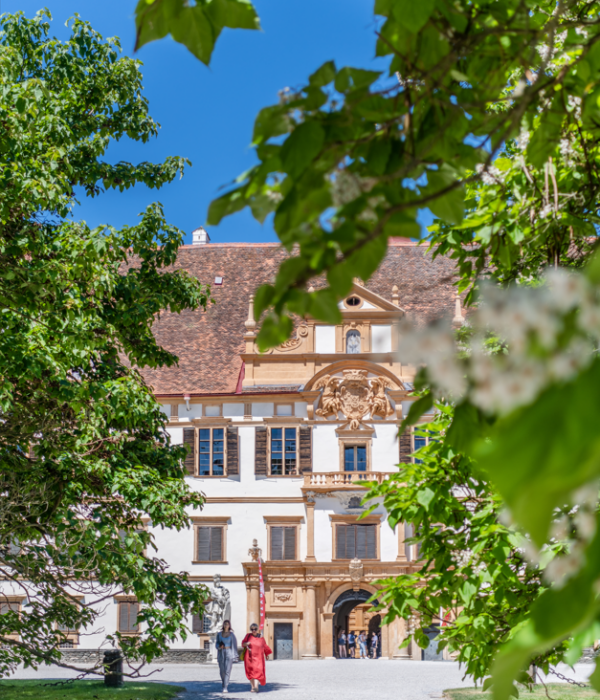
{"type": "Point", "coordinates": [351, 612]}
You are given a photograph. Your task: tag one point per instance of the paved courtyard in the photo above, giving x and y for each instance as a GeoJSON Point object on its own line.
{"type": "Point", "coordinates": [318, 680]}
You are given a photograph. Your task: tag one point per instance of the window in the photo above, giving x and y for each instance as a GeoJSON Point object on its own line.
{"type": "Point", "coordinates": [283, 543]}
{"type": "Point", "coordinates": [353, 301]}
{"type": "Point", "coordinates": [201, 625]}
{"type": "Point", "coordinates": [355, 458]}
{"type": "Point", "coordinates": [421, 438]}
{"type": "Point", "coordinates": [128, 613]}
{"type": "Point", "coordinates": [353, 342]}
{"type": "Point", "coordinates": [9, 607]}
{"type": "Point", "coordinates": [283, 451]}
{"type": "Point", "coordinates": [211, 444]}
{"type": "Point", "coordinates": [210, 543]}
{"type": "Point", "coordinates": [356, 541]}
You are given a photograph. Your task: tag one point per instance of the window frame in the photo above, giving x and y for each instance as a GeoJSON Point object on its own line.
{"type": "Point", "coordinates": [197, 437]}
{"type": "Point", "coordinates": [349, 441]}
{"type": "Point", "coordinates": [353, 520]}
{"type": "Point", "coordinates": [355, 447]}
{"type": "Point", "coordinates": [294, 521]}
{"type": "Point", "coordinates": [222, 522]}
{"type": "Point", "coordinates": [283, 426]}
{"type": "Point", "coordinates": [427, 439]}
{"type": "Point", "coordinates": [127, 600]}
{"type": "Point", "coordinates": [12, 600]}
{"type": "Point", "coordinates": [70, 635]}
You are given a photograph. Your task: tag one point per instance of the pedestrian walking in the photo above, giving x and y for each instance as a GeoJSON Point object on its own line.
{"type": "Point", "coordinates": [362, 644]}
{"type": "Point", "coordinates": [374, 645]}
{"type": "Point", "coordinates": [255, 652]}
{"type": "Point", "coordinates": [351, 644]}
{"type": "Point", "coordinates": [227, 650]}
{"type": "Point", "coordinates": [342, 645]}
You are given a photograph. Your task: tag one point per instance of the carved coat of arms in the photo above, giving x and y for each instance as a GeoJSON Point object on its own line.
{"type": "Point", "coordinates": [354, 395]}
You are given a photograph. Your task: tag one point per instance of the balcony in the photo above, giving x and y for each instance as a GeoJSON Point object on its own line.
{"type": "Point", "coordinates": [342, 481]}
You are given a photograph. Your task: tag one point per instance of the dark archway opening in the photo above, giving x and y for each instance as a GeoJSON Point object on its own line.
{"type": "Point", "coordinates": [352, 613]}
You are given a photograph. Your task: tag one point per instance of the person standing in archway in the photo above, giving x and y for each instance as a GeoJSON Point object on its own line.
{"type": "Point", "coordinates": [342, 645]}
{"type": "Point", "coordinates": [362, 644]}
{"type": "Point", "coordinates": [256, 650]}
{"type": "Point", "coordinates": [374, 645]}
{"type": "Point", "coordinates": [351, 644]}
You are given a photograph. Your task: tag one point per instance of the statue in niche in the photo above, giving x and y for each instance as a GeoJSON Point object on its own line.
{"type": "Point", "coordinates": [218, 608]}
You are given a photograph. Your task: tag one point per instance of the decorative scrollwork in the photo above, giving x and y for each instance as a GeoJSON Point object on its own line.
{"type": "Point", "coordinates": [354, 395]}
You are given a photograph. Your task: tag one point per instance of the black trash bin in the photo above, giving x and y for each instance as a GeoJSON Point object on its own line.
{"type": "Point", "coordinates": [113, 668]}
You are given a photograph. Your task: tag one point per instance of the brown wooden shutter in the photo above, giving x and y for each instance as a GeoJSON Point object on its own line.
{"type": "Point", "coordinates": [197, 627]}
{"type": "Point", "coordinates": [371, 544]}
{"type": "Point", "coordinates": [340, 540]}
{"type": "Point", "coordinates": [260, 451]}
{"type": "Point", "coordinates": [128, 617]}
{"type": "Point", "coordinates": [405, 447]}
{"type": "Point", "coordinates": [277, 543]}
{"type": "Point", "coordinates": [189, 439]}
{"type": "Point", "coordinates": [233, 452]}
{"type": "Point", "coordinates": [204, 543]}
{"type": "Point", "coordinates": [216, 544]}
{"type": "Point", "coordinates": [305, 449]}
{"type": "Point", "coordinates": [289, 542]}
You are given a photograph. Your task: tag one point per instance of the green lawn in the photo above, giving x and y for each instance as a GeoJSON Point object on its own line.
{"type": "Point", "coordinates": [557, 691]}
{"type": "Point", "coordinates": [86, 690]}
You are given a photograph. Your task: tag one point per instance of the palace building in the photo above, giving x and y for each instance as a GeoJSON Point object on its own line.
{"type": "Point", "coordinates": [279, 443]}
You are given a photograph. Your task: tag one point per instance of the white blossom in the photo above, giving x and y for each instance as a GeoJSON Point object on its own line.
{"type": "Point", "coordinates": [564, 567]}
{"type": "Point", "coordinates": [566, 289]}
{"type": "Point", "coordinates": [586, 524]}
{"type": "Point", "coordinates": [523, 139]}
{"type": "Point", "coordinates": [490, 175]}
{"type": "Point", "coordinates": [586, 495]}
{"type": "Point", "coordinates": [561, 528]}
{"type": "Point", "coordinates": [574, 103]}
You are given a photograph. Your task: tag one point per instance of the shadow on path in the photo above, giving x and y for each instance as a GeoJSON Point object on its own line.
{"type": "Point", "coordinates": [211, 690]}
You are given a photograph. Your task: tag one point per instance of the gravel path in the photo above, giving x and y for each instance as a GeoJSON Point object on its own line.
{"type": "Point", "coordinates": [317, 680]}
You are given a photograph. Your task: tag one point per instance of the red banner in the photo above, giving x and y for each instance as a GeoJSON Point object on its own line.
{"type": "Point", "coordinates": [261, 587]}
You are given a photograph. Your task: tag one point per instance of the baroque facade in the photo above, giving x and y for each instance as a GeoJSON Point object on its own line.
{"type": "Point", "coordinates": [279, 443]}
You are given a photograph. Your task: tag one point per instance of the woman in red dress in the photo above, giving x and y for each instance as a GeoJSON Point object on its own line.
{"type": "Point", "coordinates": [254, 658]}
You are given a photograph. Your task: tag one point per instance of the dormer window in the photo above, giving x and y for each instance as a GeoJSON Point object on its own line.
{"type": "Point", "coordinates": [353, 301]}
{"type": "Point", "coordinates": [353, 342]}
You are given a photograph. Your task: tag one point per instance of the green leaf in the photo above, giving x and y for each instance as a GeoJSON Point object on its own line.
{"type": "Point", "coordinates": [425, 496]}
{"type": "Point", "coordinates": [413, 15]}
{"type": "Point", "coordinates": [349, 79]}
{"type": "Point", "coordinates": [235, 14]}
{"type": "Point", "coordinates": [224, 206]}
{"type": "Point", "coordinates": [270, 122]}
{"type": "Point", "coordinates": [449, 207]}
{"type": "Point", "coordinates": [401, 225]}
{"type": "Point", "coordinates": [468, 425]}
{"type": "Point", "coordinates": [323, 75]}
{"type": "Point", "coordinates": [301, 147]}
{"type": "Point", "coordinates": [527, 461]}
{"type": "Point", "coordinates": [417, 409]}
{"type": "Point", "coordinates": [379, 152]}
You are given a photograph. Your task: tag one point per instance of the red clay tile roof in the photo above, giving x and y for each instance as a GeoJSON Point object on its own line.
{"type": "Point", "coordinates": [209, 343]}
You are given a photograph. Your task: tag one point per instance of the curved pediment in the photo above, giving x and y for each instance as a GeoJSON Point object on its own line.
{"type": "Point", "coordinates": [372, 369]}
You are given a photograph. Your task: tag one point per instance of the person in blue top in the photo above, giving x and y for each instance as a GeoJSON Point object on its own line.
{"type": "Point", "coordinates": [351, 644]}
{"type": "Point", "coordinates": [227, 650]}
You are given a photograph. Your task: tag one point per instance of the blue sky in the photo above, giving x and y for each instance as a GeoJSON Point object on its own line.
{"type": "Point", "coordinates": [207, 114]}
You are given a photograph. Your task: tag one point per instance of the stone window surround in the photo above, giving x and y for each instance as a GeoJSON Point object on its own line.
{"type": "Point", "coordinates": [283, 422]}
{"type": "Point", "coordinates": [358, 441]}
{"type": "Point", "coordinates": [73, 635]}
{"type": "Point", "coordinates": [337, 519]}
{"type": "Point", "coordinates": [13, 599]}
{"type": "Point", "coordinates": [119, 599]}
{"type": "Point", "coordinates": [283, 521]}
{"type": "Point", "coordinates": [208, 521]}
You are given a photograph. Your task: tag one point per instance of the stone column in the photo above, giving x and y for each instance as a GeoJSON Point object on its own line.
{"type": "Point", "coordinates": [401, 547]}
{"type": "Point", "coordinates": [310, 531]}
{"type": "Point", "coordinates": [254, 611]}
{"type": "Point", "coordinates": [310, 624]}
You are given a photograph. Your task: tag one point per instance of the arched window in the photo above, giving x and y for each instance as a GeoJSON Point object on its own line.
{"type": "Point", "coordinates": [353, 342]}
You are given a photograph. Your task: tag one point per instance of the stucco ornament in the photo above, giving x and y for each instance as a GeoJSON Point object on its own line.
{"type": "Point", "coordinates": [356, 572]}
{"type": "Point", "coordinates": [354, 395]}
{"type": "Point", "coordinates": [218, 608]}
